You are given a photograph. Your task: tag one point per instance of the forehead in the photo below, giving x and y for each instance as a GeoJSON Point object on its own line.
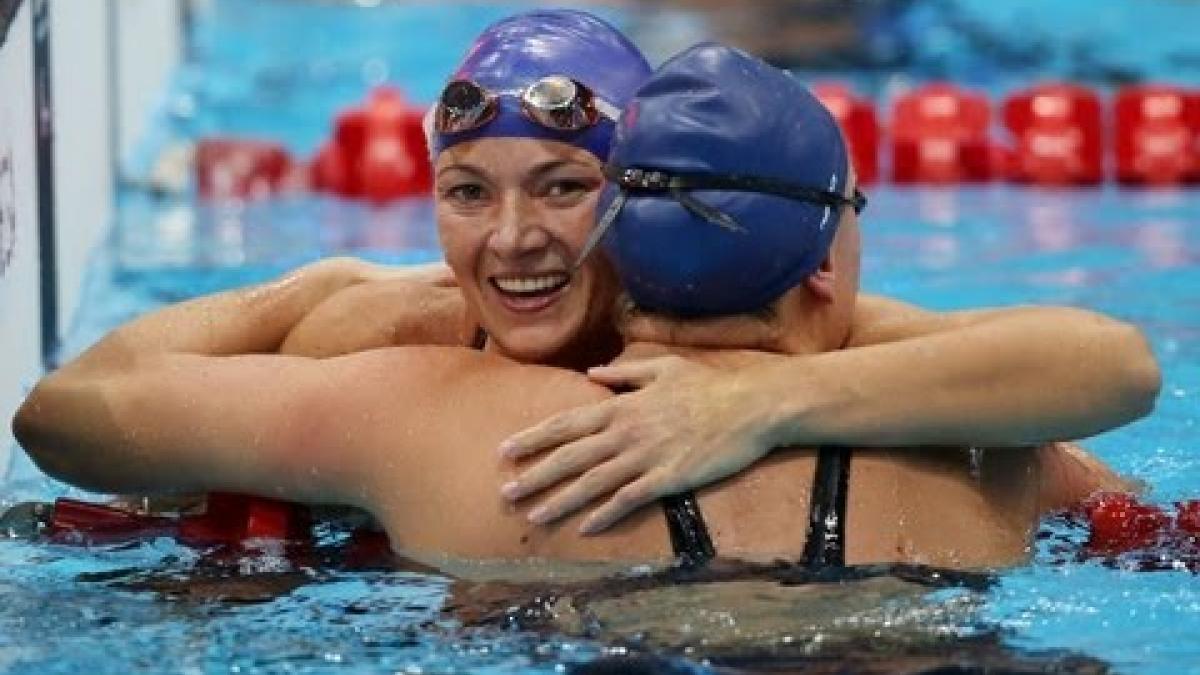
{"type": "Point", "coordinates": [501, 157]}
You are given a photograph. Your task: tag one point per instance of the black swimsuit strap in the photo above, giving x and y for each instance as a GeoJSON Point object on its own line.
{"type": "Point", "coordinates": [825, 545]}
{"type": "Point", "coordinates": [689, 535]}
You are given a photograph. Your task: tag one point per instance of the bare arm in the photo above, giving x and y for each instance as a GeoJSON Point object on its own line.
{"type": "Point", "coordinates": [110, 418]}
{"type": "Point", "coordinates": [1000, 377]}
{"type": "Point", "coordinates": [421, 307]}
{"type": "Point", "coordinates": [1016, 376]}
{"type": "Point", "coordinates": [908, 377]}
{"type": "Point", "coordinates": [383, 313]}
{"type": "Point", "coordinates": [1009, 377]}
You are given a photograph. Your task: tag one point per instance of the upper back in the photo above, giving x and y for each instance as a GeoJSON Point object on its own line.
{"type": "Point", "coordinates": [434, 478]}
{"type": "Point", "coordinates": [468, 402]}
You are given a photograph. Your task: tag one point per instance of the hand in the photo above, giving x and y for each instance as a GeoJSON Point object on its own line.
{"type": "Point", "coordinates": [686, 426]}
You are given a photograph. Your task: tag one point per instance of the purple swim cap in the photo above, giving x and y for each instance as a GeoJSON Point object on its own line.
{"type": "Point", "coordinates": [513, 53]}
{"type": "Point", "coordinates": [760, 169]}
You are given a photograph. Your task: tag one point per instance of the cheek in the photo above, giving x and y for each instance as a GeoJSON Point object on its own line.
{"type": "Point", "coordinates": [461, 240]}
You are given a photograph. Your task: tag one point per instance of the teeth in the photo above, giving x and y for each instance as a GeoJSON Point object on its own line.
{"type": "Point", "coordinates": [530, 284]}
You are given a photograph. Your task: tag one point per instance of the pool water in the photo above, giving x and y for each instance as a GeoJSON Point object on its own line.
{"type": "Point", "coordinates": [157, 606]}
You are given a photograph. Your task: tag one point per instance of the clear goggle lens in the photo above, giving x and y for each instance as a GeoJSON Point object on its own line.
{"type": "Point", "coordinates": [555, 102]}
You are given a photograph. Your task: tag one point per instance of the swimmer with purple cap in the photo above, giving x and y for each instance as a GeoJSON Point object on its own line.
{"type": "Point", "coordinates": [311, 409]}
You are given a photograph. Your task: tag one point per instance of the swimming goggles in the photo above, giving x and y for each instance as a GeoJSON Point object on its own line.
{"type": "Point", "coordinates": [555, 102]}
{"type": "Point", "coordinates": [677, 185]}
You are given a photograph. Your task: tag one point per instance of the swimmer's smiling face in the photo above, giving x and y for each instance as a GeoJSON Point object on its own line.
{"type": "Point", "coordinates": [512, 215]}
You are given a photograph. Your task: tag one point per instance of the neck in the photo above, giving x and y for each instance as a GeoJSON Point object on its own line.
{"type": "Point", "coordinates": [596, 351]}
{"type": "Point", "coordinates": [600, 347]}
{"type": "Point", "coordinates": [795, 328]}
{"type": "Point", "coordinates": [654, 333]}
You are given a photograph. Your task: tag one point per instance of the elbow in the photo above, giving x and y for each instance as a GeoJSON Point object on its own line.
{"type": "Point", "coordinates": [43, 426]}
{"type": "Point", "coordinates": [1145, 379]}
{"type": "Point", "coordinates": [1140, 375]}
{"type": "Point", "coordinates": [26, 426]}
{"type": "Point", "coordinates": [34, 429]}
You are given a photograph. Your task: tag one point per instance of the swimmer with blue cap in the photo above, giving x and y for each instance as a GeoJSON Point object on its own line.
{"type": "Point", "coordinates": [699, 225]}
{"type": "Point", "coordinates": [730, 247]}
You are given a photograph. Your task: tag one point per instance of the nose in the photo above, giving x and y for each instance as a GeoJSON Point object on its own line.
{"type": "Point", "coordinates": [519, 229]}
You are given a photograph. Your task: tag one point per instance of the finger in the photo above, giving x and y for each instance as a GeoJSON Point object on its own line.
{"type": "Point", "coordinates": [624, 502]}
{"type": "Point", "coordinates": [558, 430]}
{"type": "Point", "coordinates": [588, 487]}
{"type": "Point", "coordinates": [568, 460]}
{"type": "Point", "coordinates": [634, 374]}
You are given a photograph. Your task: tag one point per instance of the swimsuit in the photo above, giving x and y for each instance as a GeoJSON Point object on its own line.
{"type": "Point", "coordinates": [825, 545]}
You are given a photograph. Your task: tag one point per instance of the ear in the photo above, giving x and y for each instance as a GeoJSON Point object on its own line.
{"type": "Point", "coordinates": [821, 283]}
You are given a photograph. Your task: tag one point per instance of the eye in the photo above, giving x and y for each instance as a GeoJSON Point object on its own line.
{"type": "Point", "coordinates": [568, 191]}
{"type": "Point", "coordinates": [465, 194]}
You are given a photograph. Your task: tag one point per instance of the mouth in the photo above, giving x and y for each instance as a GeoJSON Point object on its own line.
{"type": "Point", "coordinates": [530, 292]}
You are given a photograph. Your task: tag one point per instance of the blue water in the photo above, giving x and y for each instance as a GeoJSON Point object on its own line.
{"type": "Point", "coordinates": [1132, 254]}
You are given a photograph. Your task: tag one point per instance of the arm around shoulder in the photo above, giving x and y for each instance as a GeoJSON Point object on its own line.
{"type": "Point", "coordinates": [382, 313]}
{"type": "Point", "coordinates": [1011, 376]}
{"type": "Point", "coordinates": [116, 417]}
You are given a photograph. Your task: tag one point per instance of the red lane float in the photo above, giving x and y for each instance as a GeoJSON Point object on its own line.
{"type": "Point", "coordinates": [940, 135]}
{"type": "Point", "coordinates": [237, 169]}
{"type": "Point", "coordinates": [1119, 524]}
{"type": "Point", "coordinates": [228, 520]}
{"type": "Point", "coordinates": [1057, 133]}
{"type": "Point", "coordinates": [856, 116]}
{"type": "Point", "coordinates": [1157, 134]}
{"type": "Point", "coordinates": [377, 152]}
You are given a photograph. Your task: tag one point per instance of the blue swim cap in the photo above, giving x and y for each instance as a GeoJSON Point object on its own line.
{"type": "Point", "coordinates": [520, 50]}
{"type": "Point", "coordinates": [737, 134]}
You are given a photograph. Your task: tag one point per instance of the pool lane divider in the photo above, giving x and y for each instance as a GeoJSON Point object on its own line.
{"type": "Point", "coordinates": [43, 115]}
{"type": "Point", "coordinates": [227, 520]}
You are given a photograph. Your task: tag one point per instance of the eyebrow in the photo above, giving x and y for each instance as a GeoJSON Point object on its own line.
{"type": "Point", "coordinates": [550, 167]}
{"type": "Point", "coordinates": [538, 171]}
{"type": "Point", "coordinates": [469, 168]}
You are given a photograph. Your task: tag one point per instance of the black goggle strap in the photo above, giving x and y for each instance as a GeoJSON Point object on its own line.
{"type": "Point", "coordinates": [702, 210]}
{"type": "Point", "coordinates": [693, 205]}
{"type": "Point", "coordinates": [651, 180]}
{"type": "Point", "coordinates": [677, 185]}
